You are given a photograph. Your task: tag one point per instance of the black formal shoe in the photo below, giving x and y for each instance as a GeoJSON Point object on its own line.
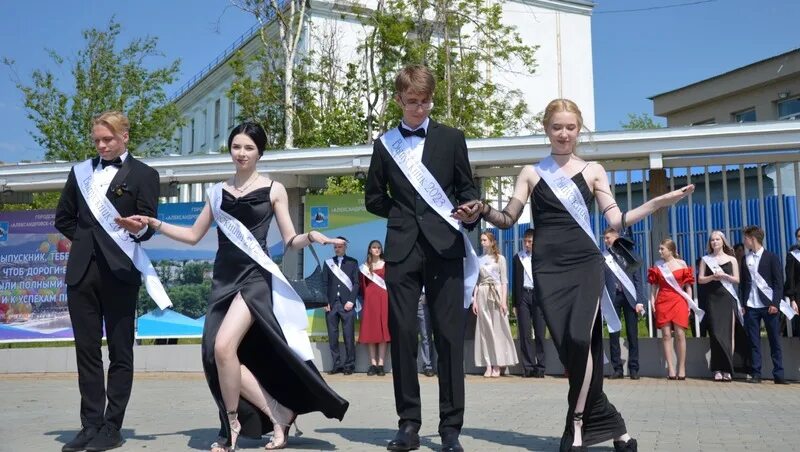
{"type": "Point", "coordinates": [428, 372]}
{"type": "Point", "coordinates": [528, 373]}
{"type": "Point", "coordinates": [781, 381]}
{"type": "Point", "coordinates": [755, 380]}
{"type": "Point", "coordinates": [107, 438]}
{"type": "Point", "coordinates": [538, 373]}
{"type": "Point", "coordinates": [407, 438]}
{"type": "Point", "coordinates": [373, 370]}
{"type": "Point", "coordinates": [348, 371]}
{"type": "Point", "coordinates": [630, 446]}
{"type": "Point", "coordinates": [380, 371]}
{"type": "Point", "coordinates": [450, 441]}
{"type": "Point", "coordinates": [634, 374]}
{"type": "Point", "coordinates": [81, 440]}
{"type": "Point", "coordinates": [617, 375]}
{"type": "Point", "coordinates": [335, 370]}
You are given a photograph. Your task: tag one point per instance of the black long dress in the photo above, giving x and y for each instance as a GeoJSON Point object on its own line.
{"type": "Point", "coordinates": [568, 277]}
{"type": "Point", "coordinates": [720, 306]}
{"type": "Point", "coordinates": [295, 383]}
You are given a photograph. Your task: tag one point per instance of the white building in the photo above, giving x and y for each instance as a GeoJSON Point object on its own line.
{"type": "Point", "coordinates": [561, 29]}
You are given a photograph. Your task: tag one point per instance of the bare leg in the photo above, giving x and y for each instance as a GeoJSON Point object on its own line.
{"type": "Point", "coordinates": [580, 404]}
{"type": "Point", "coordinates": [234, 326]}
{"type": "Point", "coordinates": [680, 334]}
{"type": "Point", "coordinates": [280, 416]}
{"type": "Point", "coordinates": [666, 345]}
{"type": "Point", "coordinates": [382, 352]}
{"type": "Point", "coordinates": [373, 359]}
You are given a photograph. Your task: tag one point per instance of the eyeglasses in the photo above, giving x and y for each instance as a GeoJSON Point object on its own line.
{"type": "Point", "coordinates": [413, 106]}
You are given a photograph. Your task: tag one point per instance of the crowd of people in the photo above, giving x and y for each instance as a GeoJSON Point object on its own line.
{"type": "Point", "coordinates": [256, 353]}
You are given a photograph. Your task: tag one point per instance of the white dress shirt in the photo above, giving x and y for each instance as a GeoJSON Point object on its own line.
{"type": "Point", "coordinates": [102, 178]}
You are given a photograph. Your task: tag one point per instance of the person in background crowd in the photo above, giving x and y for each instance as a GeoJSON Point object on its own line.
{"type": "Point", "coordinates": [632, 306]}
{"type": "Point", "coordinates": [340, 277]}
{"type": "Point", "coordinates": [762, 288]}
{"type": "Point", "coordinates": [494, 345]}
{"type": "Point", "coordinates": [791, 287]}
{"type": "Point", "coordinates": [375, 313]}
{"type": "Point", "coordinates": [671, 281]}
{"type": "Point", "coordinates": [528, 311]}
{"type": "Point", "coordinates": [719, 271]}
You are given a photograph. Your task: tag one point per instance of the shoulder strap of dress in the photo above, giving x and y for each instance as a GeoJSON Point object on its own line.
{"type": "Point", "coordinates": [585, 166]}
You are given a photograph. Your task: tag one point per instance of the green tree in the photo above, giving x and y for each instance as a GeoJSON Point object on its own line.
{"type": "Point", "coordinates": [103, 78]}
{"type": "Point", "coordinates": [639, 122]}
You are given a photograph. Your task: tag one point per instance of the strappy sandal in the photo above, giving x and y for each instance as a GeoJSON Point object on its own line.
{"type": "Point", "coordinates": [272, 445]}
{"type": "Point", "coordinates": [726, 377]}
{"type": "Point", "coordinates": [236, 428]}
{"type": "Point", "coordinates": [578, 417]}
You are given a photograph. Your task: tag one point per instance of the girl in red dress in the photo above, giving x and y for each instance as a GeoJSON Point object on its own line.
{"type": "Point", "coordinates": [375, 313]}
{"type": "Point", "coordinates": [670, 307]}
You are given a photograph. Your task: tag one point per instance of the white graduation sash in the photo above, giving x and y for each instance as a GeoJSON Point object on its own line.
{"type": "Point", "coordinates": [429, 189]}
{"type": "Point", "coordinates": [796, 254]}
{"type": "Point", "coordinates": [339, 273]}
{"type": "Point", "coordinates": [670, 279]}
{"type": "Point", "coordinates": [374, 277]}
{"type": "Point", "coordinates": [712, 263]}
{"type": "Point", "coordinates": [622, 277]}
{"type": "Point", "coordinates": [105, 213]}
{"type": "Point", "coordinates": [525, 260]}
{"type": "Point", "coordinates": [786, 309]}
{"type": "Point", "coordinates": [759, 280]}
{"type": "Point", "coordinates": [571, 198]}
{"type": "Point", "coordinates": [287, 306]}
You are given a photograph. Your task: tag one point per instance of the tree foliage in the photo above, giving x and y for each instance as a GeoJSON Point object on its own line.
{"type": "Point", "coordinates": [103, 78]}
{"type": "Point", "coordinates": [639, 122]}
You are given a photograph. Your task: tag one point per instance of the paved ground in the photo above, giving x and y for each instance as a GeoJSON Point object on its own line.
{"type": "Point", "coordinates": [173, 412]}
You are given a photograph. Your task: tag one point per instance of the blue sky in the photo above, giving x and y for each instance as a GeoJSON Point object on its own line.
{"type": "Point", "coordinates": [636, 54]}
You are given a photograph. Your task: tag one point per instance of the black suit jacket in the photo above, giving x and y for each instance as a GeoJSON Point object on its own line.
{"type": "Point", "coordinates": [390, 195]}
{"type": "Point", "coordinates": [770, 269]}
{"type": "Point", "coordinates": [518, 280]}
{"type": "Point", "coordinates": [792, 287]}
{"type": "Point", "coordinates": [74, 219]}
{"type": "Point", "coordinates": [636, 279]}
{"type": "Point", "coordinates": [350, 268]}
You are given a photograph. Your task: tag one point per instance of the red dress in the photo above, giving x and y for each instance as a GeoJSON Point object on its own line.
{"type": "Point", "coordinates": [670, 305]}
{"type": "Point", "coordinates": [375, 310]}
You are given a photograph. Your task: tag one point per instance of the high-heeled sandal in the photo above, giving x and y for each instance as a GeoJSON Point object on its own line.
{"type": "Point", "coordinates": [626, 446]}
{"type": "Point", "coordinates": [578, 417]}
{"type": "Point", "coordinates": [726, 377]}
{"type": "Point", "coordinates": [236, 428]}
{"type": "Point", "coordinates": [272, 445]}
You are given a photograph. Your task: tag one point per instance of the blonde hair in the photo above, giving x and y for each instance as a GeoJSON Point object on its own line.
{"type": "Point", "coordinates": [726, 247]}
{"type": "Point", "coordinates": [560, 106]}
{"type": "Point", "coordinates": [115, 121]}
{"type": "Point", "coordinates": [670, 245]}
{"type": "Point", "coordinates": [493, 249]}
{"type": "Point", "coordinates": [415, 78]}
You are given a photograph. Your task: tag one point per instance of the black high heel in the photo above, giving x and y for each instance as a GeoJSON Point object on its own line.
{"type": "Point", "coordinates": [626, 446]}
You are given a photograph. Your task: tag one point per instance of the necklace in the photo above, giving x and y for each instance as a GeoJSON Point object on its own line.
{"type": "Point", "coordinates": [554, 153]}
{"type": "Point", "coordinates": [246, 184]}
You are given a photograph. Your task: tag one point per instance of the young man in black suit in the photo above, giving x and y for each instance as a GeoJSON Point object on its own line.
{"type": "Point", "coordinates": [102, 281]}
{"type": "Point", "coordinates": [528, 311]}
{"type": "Point", "coordinates": [632, 306]}
{"type": "Point", "coordinates": [423, 248]}
{"type": "Point", "coordinates": [340, 277]}
{"type": "Point", "coordinates": [762, 289]}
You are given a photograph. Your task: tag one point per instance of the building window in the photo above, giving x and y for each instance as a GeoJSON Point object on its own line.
{"type": "Point", "coordinates": [205, 126]}
{"type": "Point", "coordinates": [231, 113]}
{"type": "Point", "coordinates": [191, 134]}
{"type": "Point", "coordinates": [705, 122]}
{"type": "Point", "coordinates": [748, 115]}
{"type": "Point", "coordinates": [789, 109]}
{"type": "Point", "coordinates": [216, 118]}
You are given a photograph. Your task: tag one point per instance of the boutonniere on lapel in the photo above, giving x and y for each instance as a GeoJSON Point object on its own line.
{"type": "Point", "coordinates": [118, 190]}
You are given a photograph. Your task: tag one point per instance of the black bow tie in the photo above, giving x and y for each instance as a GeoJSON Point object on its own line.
{"type": "Point", "coordinates": [407, 133]}
{"type": "Point", "coordinates": [116, 162]}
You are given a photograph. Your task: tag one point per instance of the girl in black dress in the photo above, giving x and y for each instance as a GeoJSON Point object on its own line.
{"type": "Point", "coordinates": [564, 260]}
{"type": "Point", "coordinates": [259, 382]}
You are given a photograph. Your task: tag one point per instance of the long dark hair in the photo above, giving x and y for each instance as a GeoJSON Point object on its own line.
{"type": "Point", "coordinates": [370, 260]}
{"type": "Point", "coordinates": [252, 130]}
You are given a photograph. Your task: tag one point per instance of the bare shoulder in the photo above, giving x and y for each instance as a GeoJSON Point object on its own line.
{"type": "Point", "coordinates": [682, 263]}
{"type": "Point", "coordinates": [277, 192]}
{"type": "Point", "coordinates": [529, 175]}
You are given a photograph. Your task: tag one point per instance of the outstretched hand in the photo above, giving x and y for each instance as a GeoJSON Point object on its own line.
{"type": "Point", "coordinates": [133, 224]}
{"type": "Point", "coordinates": [468, 212]}
{"type": "Point", "coordinates": [674, 196]}
{"type": "Point", "coordinates": [319, 237]}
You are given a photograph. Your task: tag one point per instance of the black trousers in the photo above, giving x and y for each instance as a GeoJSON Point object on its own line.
{"type": "Point", "coordinates": [337, 315]}
{"type": "Point", "coordinates": [529, 313]}
{"type": "Point", "coordinates": [444, 291]}
{"type": "Point", "coordinates": [100, 297]}
{"type": "Point", "coordinates": [631, 329]}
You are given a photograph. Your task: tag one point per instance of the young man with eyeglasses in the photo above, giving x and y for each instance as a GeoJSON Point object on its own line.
{"type": "Point", "coordinates": [417, 172]}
